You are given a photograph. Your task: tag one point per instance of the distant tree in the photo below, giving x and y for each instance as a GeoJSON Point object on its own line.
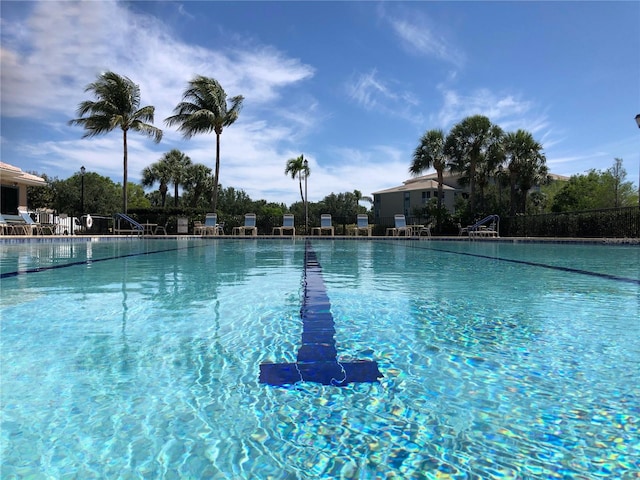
{"type": "Point", "coordinates": [117, 105]}
{"type": "Point", "coordinates": [204, 109]}
{"type": "Point", "coordinates": [296, 168]}
{"type": "Point", "coordinates": [198, 186]}
{"type": "Point", "coordinates": [172, 167]}
{"type": "Point", "coordinates": [340, 205]}
{"type": "Point", "coordinates": [101, 195]}
{"type": "Point", "coordinates": [178, 164]}
{"type": "Point", "coordinates": [470, 143]}
{"type": "Point", "coordinates": [618, 175]}
{"type": "Point", "coordinates": [595, 190]}
{"type": "Point", "coordinates": [526, 165]}
{"type": "Point", "coordinates": [157, 172]}
{"type": "Point", "coordinates": [362, 198]}
{"type": "Point", "coordinates": [137, 198]}
{"type": "Point", "coordinates": [234, 202]}
{"type": "Point", "coordinates": [430, 154]}
{"type": "Point", "coordinates": [40, 197]}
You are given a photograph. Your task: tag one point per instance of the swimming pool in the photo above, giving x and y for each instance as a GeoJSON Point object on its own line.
{"type": "Point", "coordinates": [142, 359]}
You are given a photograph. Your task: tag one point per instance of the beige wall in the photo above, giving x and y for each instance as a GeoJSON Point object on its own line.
{"type": "Point", "coordinates": [386, 205]}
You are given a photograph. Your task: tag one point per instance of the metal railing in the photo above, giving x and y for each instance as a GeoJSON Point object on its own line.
{"type": "Point", "coordinates": [623, 222]}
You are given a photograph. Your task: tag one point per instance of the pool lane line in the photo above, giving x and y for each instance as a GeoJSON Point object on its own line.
{"type": "Point", "coordinates": [317, 359]}
{"type": "Point", "coordinates": [607, 276]}
{"type": "Point", "coordinates": [90, 261]}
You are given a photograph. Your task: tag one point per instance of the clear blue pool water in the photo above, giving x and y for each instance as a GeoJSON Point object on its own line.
{"type": "Point", "coordinates": [140, 359]}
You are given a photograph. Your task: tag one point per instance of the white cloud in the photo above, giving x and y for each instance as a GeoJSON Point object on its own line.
{"type": "Point", "coordinates": [69, 44]}
{"type": "Point", "coordinates": [385, 97]}
{"type": "Point", "coordinates": [49, 58]}
{"type": "Point", "coordinates": [419, 36]}
{"type": "Point", "coordinates": [507, 110]}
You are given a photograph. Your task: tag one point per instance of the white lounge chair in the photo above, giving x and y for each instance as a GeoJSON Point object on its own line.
{"type": "Point", "coordinates": [400, 227]}
{"type": "Point", "coordinates": [211, 225]}
{"type": "Point", "coordinates": [287, 225]}
{"type": "Point", "coordinates": [249, 226]}
{"type": "Point", "coordinates": [31, 227]}
{"type": "Point", "coordinates": [325, 225]}
{"type": "Point", "coordinates": [7, 227]}
{"type": "Point", "coordinates": [362, 225]}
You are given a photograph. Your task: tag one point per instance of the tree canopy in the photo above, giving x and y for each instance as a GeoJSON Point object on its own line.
{"type": "Point", "coordinates": [117, 104]}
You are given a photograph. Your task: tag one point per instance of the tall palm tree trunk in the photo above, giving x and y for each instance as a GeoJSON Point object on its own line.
{"type": "Point", "coordinates": [214, 201]}
{"type": "Point", "coordinates": [163, 193]}
{"type": "Point", "coordinates": [300, 182]}
{"type": "Point", "coordinates": [512, 199]}
{"type": "Point", "coordinates": [440, 182]}
{"type": "Point", "coordinates": [472, 185]}
{"type": "Point", "coordinates": [124, 175]}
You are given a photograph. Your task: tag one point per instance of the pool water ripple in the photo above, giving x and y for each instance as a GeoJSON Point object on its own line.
{"type": "Point", "coordinates": [145, 365]}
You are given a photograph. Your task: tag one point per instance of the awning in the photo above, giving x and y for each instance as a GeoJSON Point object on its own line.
{"type": "Point", "coordinates": [14, 175]}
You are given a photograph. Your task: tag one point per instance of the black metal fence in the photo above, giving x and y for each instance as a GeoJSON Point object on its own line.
{"type": "Point", "coordinates": [609, 223]}
{"type": "Point", "coordinates": [621, 222]}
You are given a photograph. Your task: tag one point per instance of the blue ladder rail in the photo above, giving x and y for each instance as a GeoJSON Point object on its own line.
{"type": "Point", "coordinates": [137, 228]}
{"type": "Point", "coordinates": [485, 220]}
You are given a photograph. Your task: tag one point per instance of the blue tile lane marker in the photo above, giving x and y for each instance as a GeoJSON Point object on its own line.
{"type": "Point", "coordinates": [317, 359]}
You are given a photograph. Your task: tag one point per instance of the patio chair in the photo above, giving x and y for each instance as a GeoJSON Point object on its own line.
{"type": "Point", "coordinates": [161, 228]}
{"type": "Point", "coordinates": [6, 228]}
{"type": "Point", "coordinates": [362, 225]}
{"type": "Point", "coordinates": [325, 225]}
{"type": "Point", "coordinates": [426, 230]}
{"type": "Point", "coordinates": [31, 227]}
{"type": "Point", "coordinates": [400, 227]}
{"type": "Point", "coordinates": [198, 228]}
{"type": "Point", "coordinates": [287, 224]}
{"type": "Point", "coordinates": [249, 226]}
{"type": "Point", "coordinates": [211, 225]}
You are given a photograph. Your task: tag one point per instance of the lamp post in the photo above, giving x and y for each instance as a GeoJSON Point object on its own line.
{"type": "Point", "coordinates": [306, 198]}
{"type": "Point", "coordinates": [638, 123]}
{"type": "Point", "coordinates": [82, 171]}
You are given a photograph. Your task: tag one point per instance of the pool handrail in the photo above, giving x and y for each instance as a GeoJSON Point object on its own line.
{"type": "Point", "coordinates": [493, 219]}
{"type": "Point", "coordinates": [136, 227]}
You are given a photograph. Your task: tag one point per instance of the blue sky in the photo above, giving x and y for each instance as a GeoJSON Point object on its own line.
{"type": "Point", "coordinates": [351, 85]}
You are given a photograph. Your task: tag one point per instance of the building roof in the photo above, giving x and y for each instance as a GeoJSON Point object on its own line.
{"type": "Point", "coordinates": [418, 183]}
{"type": "Point", "coordinates": [430, 182]}
{"type": "Point", "coordinates": [12, 174]}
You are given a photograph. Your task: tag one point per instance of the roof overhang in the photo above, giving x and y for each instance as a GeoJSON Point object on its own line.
{"type": "Point", "coordinates": [14, 175]}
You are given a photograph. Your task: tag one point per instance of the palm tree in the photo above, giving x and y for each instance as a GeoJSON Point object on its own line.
{"type": "Point", "coordinates": [470, 143]}
{"type": "Point", "coordinates": [198, 181]}
{"type": "Point", "coordinates": [177, 164]}
{"type": "Point", "coordinates": [526, 164]}
{"type": "Point", "coordinates": [204, 109]}
{"type": "Point", "coordinates": [361, 198]}
{"type": "Point", "coordinates": [430, 154]}
{"type": "Point", "coordinates": [297, 167]}
{"type": "Point", "coordinates": [117, 105]}
{"type": "Point", "coordinates": [157, 172]}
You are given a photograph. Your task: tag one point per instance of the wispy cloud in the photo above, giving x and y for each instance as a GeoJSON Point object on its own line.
{"type": "Point", "coordinates": [418, 36]}
{"type": "Point", "coordinates": [383, 96]}
{"type": "Point", "coordinates": [508, 110]}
